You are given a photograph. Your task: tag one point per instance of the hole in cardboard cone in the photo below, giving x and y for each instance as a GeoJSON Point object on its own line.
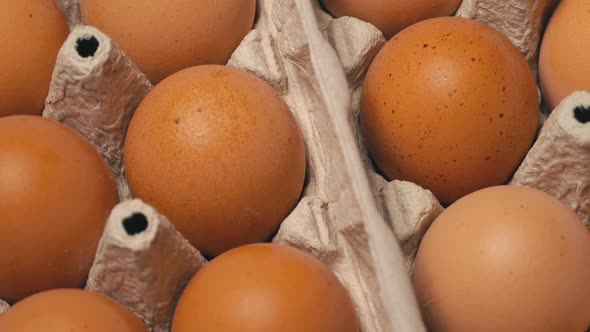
{"type": "Point", "coordinates": [582, 114]}
{"type": "Point", "coordinates": [135, 224]}
{"type": "Point", "coordinates": [87, 47]}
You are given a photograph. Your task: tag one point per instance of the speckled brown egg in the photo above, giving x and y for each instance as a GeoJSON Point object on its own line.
{"type": "Point", "coordinates": [32, 33]}
{"type": "Point", "coordinates": [56, 193]}
{"type": "Point", "coordinates": [218, 152]}
{"type": "Point", "coordinates": [392, 16]}
{"type": "Point", "coordinates": [265, 287]}
{"type": "Point", "coordinates": [507, 258]}
{"type": "Point", "coordinates": [70, 310]}
{"type": "Point", "coordinates": [564, 62]}
{"type": "Point", "coordinates": [451, 105]}
{"type": "Point", "coordinates": [165, 36]}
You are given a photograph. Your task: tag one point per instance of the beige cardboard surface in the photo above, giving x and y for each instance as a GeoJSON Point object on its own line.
{"type": "Point", "coordinates": [558, 162]}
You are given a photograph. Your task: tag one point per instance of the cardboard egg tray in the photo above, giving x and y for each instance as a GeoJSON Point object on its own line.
{"type": "Point", "coordinates": [366, 229]}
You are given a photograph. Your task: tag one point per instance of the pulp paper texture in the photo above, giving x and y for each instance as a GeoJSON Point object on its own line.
{"type": "Point", "coordinates": [95, 89]}
{"type": "Point", "coordinates": [143, 263]}
{"type": "Point", "coordinates": [558, 162]}
{"type": "Point", "coordinates": [521, 21]}
{"type": "Point", "coordinates": [3, 306]}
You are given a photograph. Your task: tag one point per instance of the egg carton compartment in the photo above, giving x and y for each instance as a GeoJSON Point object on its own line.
{"type": "Point", "coordinates": [364, 228]}
{"type": "Point", "coordinates": [554, 164]}
{"type": "Point", "coordinates": [95, 90]}
{"type": "Point", "coordinates": [558, 162]}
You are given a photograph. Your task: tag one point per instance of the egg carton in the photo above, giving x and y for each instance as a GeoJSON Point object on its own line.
{"type": "Point", "coordinates": [364, 228]}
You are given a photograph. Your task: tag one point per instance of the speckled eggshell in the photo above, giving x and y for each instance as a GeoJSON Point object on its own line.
{"type": "Point", "coordinates": [217, 151]}
{"type": "Point", "coordinates": [165, 36]}
{"type": "Point", "coordinates": [507, 258]}
{"type": "Point", "coordinates": [265, 287]}
{"type": "Point", "coordinates": [564, 63]}
{"type": "Point", "coordinates": [32, 33]}
{"type": "Point", "coordinates": [392, 16]}
{"type": "Point", "coordinates": [56, 193]}
{"type": "Point", "coordinates": [449, 104]}
{"type": "Point", "coordinates": [70, 310]}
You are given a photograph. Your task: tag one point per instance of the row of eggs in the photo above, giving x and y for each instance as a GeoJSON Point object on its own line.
{"type": "Point", "coordinates": [422, 76]}
{"type": "Point", "coordinates": [165, 38]}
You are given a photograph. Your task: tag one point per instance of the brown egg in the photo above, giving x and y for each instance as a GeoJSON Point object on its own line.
{"type": "Point", "coordinates": [564, 63]}
{"type": "Point", "coordinates": [451, 105]}
{"type": "Point", "coordinates": [55, 195]}
{"type": "Point", "coordinates": [218, 152]}
{"type": "Point", "coordinates": [32, 33]}
{"type": "Point", "coordinates": [265, 287]}
{"type": "Point", "coordinates": [508, 258]}
{"type": "Point", "coordinates": [70, 310]}
{"type": "Point", "coordinates": [165, 36]}
{"type": "Point", "coordinates": [392, 16]}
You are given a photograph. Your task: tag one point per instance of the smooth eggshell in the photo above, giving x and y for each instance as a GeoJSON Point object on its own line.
{"type": "Point", "coordinates": [392, 16]}
{"type": "Point", "coordinates": [165, 36]}
{"type": "Point", "coordinates": [70, 310]}
{"type": "Point", "coordinates": [508, 258]}
{"type": "Point", "coordinates": [449, 104]}
{"type": "Point", "coordinates": [218, 152]}
{"type": "Point", "coordinates": [564, 63]}
{"type": "Point", "coordinates": [265, 287]}
{"type": "Point", "coordinates": [55, 196]}
{"type": "Point", "coordinates": [32, 33]}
